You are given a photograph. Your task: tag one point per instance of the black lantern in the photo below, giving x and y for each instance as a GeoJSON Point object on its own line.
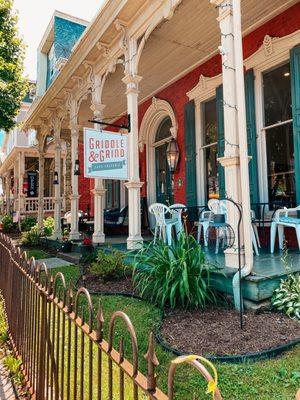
{"type": "Point", "coordinates": [55, 181]}
{"type": "Point", "coordinates": [77, 168]}
{"type": "Point", "coordinates": [172, 155]}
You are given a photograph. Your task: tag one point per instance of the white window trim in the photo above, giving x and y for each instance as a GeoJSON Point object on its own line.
{"type": "Point", "coordinates": [155, 114]}
{"type": "Point", "coordinates": [273, 51]}
{"type": "Point", "coordinates": [204, 91]}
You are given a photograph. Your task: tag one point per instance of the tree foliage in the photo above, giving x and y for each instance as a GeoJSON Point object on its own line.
{"type": "Point", "coordinates": [13, 85]}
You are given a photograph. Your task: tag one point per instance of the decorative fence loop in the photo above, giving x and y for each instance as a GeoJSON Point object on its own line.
{"type": "Point", "coordinates": [63, 357]}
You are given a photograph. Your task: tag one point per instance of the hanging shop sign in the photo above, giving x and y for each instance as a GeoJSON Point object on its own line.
{"type": "Point", "coordinates": [32, 179]}
{"type": "Point", "coordinates": [105, 154]}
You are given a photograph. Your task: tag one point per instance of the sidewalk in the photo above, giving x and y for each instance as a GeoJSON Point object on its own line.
{"type": "Point", "coordinates": [6, 388]}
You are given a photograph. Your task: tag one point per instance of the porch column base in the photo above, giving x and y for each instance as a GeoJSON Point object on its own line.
{"type": "Point", "coordinates": [57, 219]}
{"type": "Point", "coordinates": [98, 237]}
{"type": "Point", "coordinates": [135, 240]}
{"type": "Point", "coordinates": [99, 198]}
{"type": "Point", "coordinates": [232, 258]}
{"type": "Point", "coordinates": [74, 232]}
{"type": "Point", "coordinates": [134, 243]}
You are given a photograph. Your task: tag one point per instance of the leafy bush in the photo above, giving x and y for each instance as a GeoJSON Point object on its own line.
{"type": "Point", "coordinates": [108, 265]}
{"type": "Point", "coordinates": [32, 237]}
{"type": "Point", "coordinates": [286, 297]}
{"type": "Point", "coordinates": [7, 224]}
{"type": "Point", "coordinates": [48, 225]}
{"type": "Point", "coordinates": [27, 223]}
{"type": "Point", "coordinates": [13, 365]}
{"type": "Point", "coordinates": [176, 275]}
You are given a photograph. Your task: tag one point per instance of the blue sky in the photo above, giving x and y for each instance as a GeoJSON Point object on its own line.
{"type": "Point", "coordinates": [34, 17]}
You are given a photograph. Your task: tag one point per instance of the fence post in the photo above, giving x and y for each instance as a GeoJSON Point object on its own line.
{"type": "Point", "coordinates": [40, 389]}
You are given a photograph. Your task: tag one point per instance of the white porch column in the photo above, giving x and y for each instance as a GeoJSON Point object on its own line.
{"type": "Point", "coordinates": [133, 185]}
{"type": "Point", "coordinates": [41, 189]}
{"type": "Point", "coordinates": [21, 182]}
{"type": "Point", "coordinates": [99, 190]}
{"type": "Point", "coordinates": [74, 233]}
{"type": "Point", "coordinates": [235, 132]}
{"type": "Point", "coordinates": [57, 188]}
{"type": "Point", "coordinates": [16, 178]}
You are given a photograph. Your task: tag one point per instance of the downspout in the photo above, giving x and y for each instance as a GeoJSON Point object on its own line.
{"type": "Point", "coordinates": [243, 147]}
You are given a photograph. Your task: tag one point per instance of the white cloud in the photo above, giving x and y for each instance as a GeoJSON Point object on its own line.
{"type": "Point", "coordinates": [35, 15]}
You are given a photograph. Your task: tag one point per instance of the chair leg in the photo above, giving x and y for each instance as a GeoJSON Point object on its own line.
{"type": "Point", "coordinates": [205, 228]}
{"type": "Point", "coordinates": [280, 235]}
{"type": "Point", "coordinates": [169, 234]}
{"type": "Point", "coordinates": [199, 233]}
{"type": "Point", "coordinates": [217, 241]}
{"type": "Point", "coordinates": [273, 236]}
{"type": "Point", "coordinates": [254, 242]}
{"type": "Point", "coordinates": [297, 227]}
{"type": "Point", "coordinates": [256, 235]}
{"type": "Point", "coordinates": [155, 234]}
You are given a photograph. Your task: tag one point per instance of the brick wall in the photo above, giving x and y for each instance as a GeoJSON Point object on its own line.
{"type": "Point", "coordinates": [175, 94]}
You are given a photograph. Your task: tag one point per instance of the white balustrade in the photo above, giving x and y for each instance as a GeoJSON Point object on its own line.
{"type": "Point", "coordinates": [32, 204]}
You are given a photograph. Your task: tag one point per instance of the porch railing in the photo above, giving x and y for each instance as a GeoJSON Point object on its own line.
{"type": "Point", "coordinates": [61, 341]}
{"type": "Point", "coordinates": [32, 204]}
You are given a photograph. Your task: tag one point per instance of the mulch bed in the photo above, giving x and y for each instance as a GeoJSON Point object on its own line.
{"type": "Point", "coordinates": [124, 285]}
{"type": "Point", "coordinates": [216, 331]}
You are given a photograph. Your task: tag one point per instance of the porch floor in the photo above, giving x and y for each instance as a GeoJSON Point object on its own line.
{"type": "Point", "coordinates": [268, 269]}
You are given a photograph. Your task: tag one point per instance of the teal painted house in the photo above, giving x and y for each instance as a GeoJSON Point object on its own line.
{"type": "Point", "coordinates": [62, 34]}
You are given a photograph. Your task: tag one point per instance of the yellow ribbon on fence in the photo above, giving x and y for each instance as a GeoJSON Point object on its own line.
{"type": "Point", "coordinates": [213, 384]}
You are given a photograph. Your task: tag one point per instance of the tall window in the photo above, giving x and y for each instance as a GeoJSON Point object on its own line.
{"type": "Point", "coordinates": [112, 193]}
{"type": "Point", "coordinates": [279, 134]}
{"type": "Point", "coordinates": [164, 190]}
{"type": "Point", "coordinates": [210, 148]}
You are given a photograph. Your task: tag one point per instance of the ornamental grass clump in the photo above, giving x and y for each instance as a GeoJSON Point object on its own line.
{"type": "Point", "coordinates": [174, 276]}
{"type": "Point", "coordinates": [286, 297]}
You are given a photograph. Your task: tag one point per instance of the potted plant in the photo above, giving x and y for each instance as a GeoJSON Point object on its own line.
{"type": "Point", "coordinates": [66, 246]}
{"type": "Point", "coordinates": [86, 246]}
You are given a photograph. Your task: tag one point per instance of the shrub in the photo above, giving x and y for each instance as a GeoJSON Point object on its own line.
{"type": "Point", "coordinates": [27, 223]}
{"type": "Point", "coordinates": [7, 224]}
{"type": "Point", "coordinates": [48, 226]}
{"type": "Point", "coordinates": [32, 237]}
{"type": "Point", "coordinates": [286, 297]}
{"type": "Point", "coordinates": [176, 275]}
{"type": "Point", "coordinates": [108, 265]}
{"type": "Point", "coordinates": [13, 365]}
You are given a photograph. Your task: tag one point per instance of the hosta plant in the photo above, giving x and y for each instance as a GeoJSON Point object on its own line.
{"type": "Point", "coordinates": [286, 297]}
{"type": "Point", "coordinates": [174, 276]}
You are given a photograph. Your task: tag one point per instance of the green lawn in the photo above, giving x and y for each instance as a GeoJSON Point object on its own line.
{"type": "Point", "coordinates": [276, 379]}
{"type": "Point", "coordinates": [37, 254]}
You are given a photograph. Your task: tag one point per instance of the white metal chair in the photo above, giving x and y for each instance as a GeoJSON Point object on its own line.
{"type": "Point", "coordinates": [220, 207]}
{"type": "Point", "coordinates": [163, 226]}
{"type": "Point", "coordinates": [203, 223]}
{"type": "Point", "coordinates": [176, 211]}
{"type": "Point", "coordinates": [282, 219]}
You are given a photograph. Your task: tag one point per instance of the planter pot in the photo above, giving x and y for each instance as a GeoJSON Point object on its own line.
{"type": "Point", "coordinates": [66, 247]}
{"type": "Point", "coordinates": [86, 249]}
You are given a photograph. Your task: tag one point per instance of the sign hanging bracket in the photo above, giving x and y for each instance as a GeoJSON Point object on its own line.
{"type": "Point", "coordinates": [122, 126]}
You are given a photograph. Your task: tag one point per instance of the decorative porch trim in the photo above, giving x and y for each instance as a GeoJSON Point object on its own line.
{"type": "Point", "coordinates": [158, 110]}
{"type": "Point", "coordinates": [273, 50]}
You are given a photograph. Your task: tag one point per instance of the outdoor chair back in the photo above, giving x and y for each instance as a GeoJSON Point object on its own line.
{"type": "Point", "coordinates": [163, 226]}
{"type": "Point", "coordinates": [286, 217]}
{"type": "Point", "coordinates": [176, 211]}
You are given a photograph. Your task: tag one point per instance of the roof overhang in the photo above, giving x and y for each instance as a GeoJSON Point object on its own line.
{"type": "Point", "coordinates": [174, 48]}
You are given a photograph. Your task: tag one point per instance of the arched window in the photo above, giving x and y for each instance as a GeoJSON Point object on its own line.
{"type": "Point", "coordinates": [163, 131]}
{"type": "Point", "coordinates": [164, 190]}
